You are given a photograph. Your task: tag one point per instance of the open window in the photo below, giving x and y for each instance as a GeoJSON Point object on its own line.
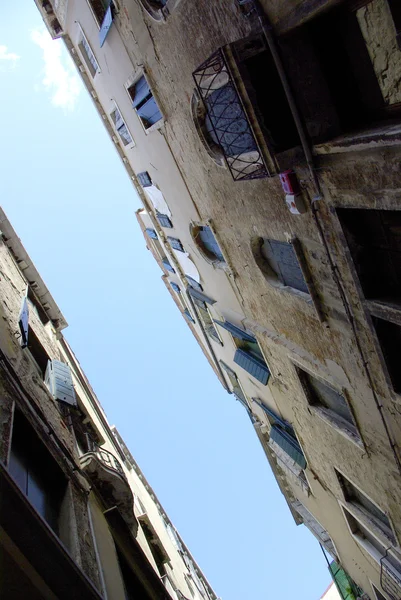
{"type": "Point", "coordinates": [120, 126]}
{"type": "Point", "coordinates": [340, 51]}
{"type": "Point", "coordinates": [87, 53]}
{"type": "Point", "coordinates": [248, 354]}
{"type": "Point", "coordinates": [329, 404]}
{"type": "Point", "coordinates": [144, 103]}
{"type": "Point", "coordinates": [235, 384]}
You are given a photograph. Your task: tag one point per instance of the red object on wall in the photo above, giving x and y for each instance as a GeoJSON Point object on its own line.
{"type": "Point", "coordinates": [290, 183]}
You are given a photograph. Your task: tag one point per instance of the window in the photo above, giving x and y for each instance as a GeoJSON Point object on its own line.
{"type": "Point", "coordinates": [337, 51]}
{"type": "Point", "coordinates": [36, 472]}
{"type": "Point", "coordinates": [372, 544]}
{"type": "Point", "coordinates": [207, 244]}
{"type": "Point", "coordinates": [279, 262]}
{"type": "Point", "coordinates": [193, 283]}
{"type": "Point", "coordinates": [144, 179]}
{"type": "Point", "coordinates": [314, 526]}
{"type": "Point", "coordinates": [389, 336]}
{"type": "Point", "coordinates": [329, 403]}
{"type": "Point", "coordinates": [151, 233]}
{"type": "Point", "coordinates": [188, 316]}
{"type": "Point", "coordinates": [378, 594]}
{"type": "Point", "coordinates": [175, 243]}
{"type": "Point", "coordinates": [237, 390]}
{"type": "Point", "coordinates": [158, 551]}
{"type": "Point", "coordinates": [175, 287]}
{"type": "Point", "coordinates": [288, 452]}
{"type": "Point", "coordinates": [120, 126]}
{"type": "Point", "coordinates": [167, 265]}
{"type": "Point", "coordinates": [366, 508]}
{"type": "Point", "coordinates": [374, 241]}
{"type": "Point", "coordinates": [204, 316]}
{"type": "Point", "coordinates": [87, 54]}
{"type": "Point", "coordinates": [248, 354]}
{"type": "Point", "coordinates": [164, 220]}
{"type": "Point", "coordinates": [37, 352]}
{"type": "Point", "coordinates": [144, 103]}
{"type": "Point", "coordinates": [35, 304]}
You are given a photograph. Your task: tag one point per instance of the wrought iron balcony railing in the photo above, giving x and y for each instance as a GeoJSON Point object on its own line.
{"type": "Point", "coordinates": [226, 122]}
{"type": "Point", "coordinates": [390, 578]}
{"type": "Point", "coordinates": [105, 457]}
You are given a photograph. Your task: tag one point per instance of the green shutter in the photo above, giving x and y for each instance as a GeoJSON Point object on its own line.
{"type": "Point", "coordinates": [289, 444]}
{"type": "Point", "coordinates": [252, 365]}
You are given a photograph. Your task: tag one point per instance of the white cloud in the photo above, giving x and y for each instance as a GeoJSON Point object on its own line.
{"type": "Point", "coordinates": [60, 79]}
{"type": "Point", "coordinates": [8, 60]}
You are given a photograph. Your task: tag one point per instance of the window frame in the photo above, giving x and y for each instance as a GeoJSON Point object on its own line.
{"type": "Point", "coordinates": [124, 143]}
{"type": "Point", "coordinates": [209, 256]}
{"type": "Point", "coordinates": [376, 589]}
{"type": "Point", "coordinates": [328, 415]}
{"type": "Point", "coordinates": [367, 519]}
{"type": "Point", "coordinates": [131, 83]}
{"type": "Point", "coordinates": [82, 37]}
{"type": "Point", "coordinates": [200, 310]}
{"type": "Point", "coordinates": [365, 544]}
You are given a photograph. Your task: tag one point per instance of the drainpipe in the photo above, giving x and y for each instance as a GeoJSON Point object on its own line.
{"type": "Point", "coordinates": [306, 147]}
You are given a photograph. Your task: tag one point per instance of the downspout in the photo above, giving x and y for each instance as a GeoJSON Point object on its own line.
{"type": "Point", "coordinates": [306, 147]}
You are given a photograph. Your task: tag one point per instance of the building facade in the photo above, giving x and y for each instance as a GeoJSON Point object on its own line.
{"type": "Point", "coordinates": [78, 517]}
{"type": "Point", "coordinates": [264, 142]}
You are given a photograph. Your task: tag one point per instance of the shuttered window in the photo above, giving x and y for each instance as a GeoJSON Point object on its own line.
{"type": "Point", "coordinates": [58, 379]}
{"type": "Point", "coordinates": [87, 55]}
{"type": "Point", "coordinates": [283, 261]}
{"type": "Point", "coordinates": [151, 233]}
{"type": "Point", "coordinates": [23, 322]}
{"type": "Point", "coordinates": [175, 243]}
{"type": "Point", "coordinates": [189, 316]}
{"type": "Point", "coordinates": [106, 24]}
{"type": "Point", "coordinates": [144, 102]}
{"type": "Point", "coordinates": [207, 321]}
{"type": "Point", "coordinates": [200, 296]}
{"type": "Point", "coordinates": [314, 526]}
{"type": "Point", "coordinates": [167, 266]}
{"type": "Point", "coordinates": [175, 287]}
{"type": "Point", "coordinates": [237, 390]}
{"type": "Point", "coordinates": [121, 127]}
{"type": "Point", "coordinates": [193, 283]}
{"type": "Point", "coordinates": [289, 444]}
{"type": "Point", "coordinates": [206, 239]}
{"type": "Point", "coordinates": [236, 331]}
{"type": "Point", "coordinates": [144, 179]}
{"type": "Point", "coordinates": [164, 220]}
{"type": "Point", "coordinates": [255, 367]}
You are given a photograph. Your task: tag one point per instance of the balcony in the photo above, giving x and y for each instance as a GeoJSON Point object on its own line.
{"type": "Point", "coordinates": [390, 578]}
{"type": "Point", "coordinates": [227, 122]}
{"type": "Point", "coordinates": [107, 475]}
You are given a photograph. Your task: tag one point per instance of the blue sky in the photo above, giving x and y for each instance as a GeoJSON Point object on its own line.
{"type": "Point", "coordinates": [66, 193]}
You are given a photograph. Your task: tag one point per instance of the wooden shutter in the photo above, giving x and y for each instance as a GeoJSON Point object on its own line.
{"type": "Point", "coordinates": [167, 265]}
{"type": "Point", "coordinates": [23, 321]}
{"type": "Point", "coordinates": [175, 287]}
{"type": "Point", "coordinates": [193, 283]}
{"type": "Point", "coordinates": [164, 220]}
{"type": "Point", "coordinates": [252, 365]}
{"type": "Point", "coordinates": [175, 243]}
{"type": "Point", "coordinates": [149, 112]}
{"type": "Point", "coordinates": [141, 91]}
{"type": "Point", "coordinates": [289, 444]}
{"type": "Point", "coordinates": [151, 233]}
{"type": "Point", "coordinates": [285, 262]}
{"type": "Point", "coordinates": [236, 331]}
{"type": "Point", "coordinates": [106, 25]}
{"type": "Point", "coordinates": [200, 296]}
{"type": "Point", "coordinates": [314, 526]}
{"type": "Point", "coordinates": [189, 316]}
{"type": "Point", "coordinates": [144, 179]}
{"type": "Point", "coordinates": [210, 242]}
{"type": "Point", "coordinates": [59, 381]}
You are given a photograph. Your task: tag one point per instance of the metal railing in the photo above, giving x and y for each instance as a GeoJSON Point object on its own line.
{"type": "Point", "coordinates": [390, 578]}
{"type": "Point", "coordinates": [226, 122]}
{"type": "Point", "coordinates": [104, 456]}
